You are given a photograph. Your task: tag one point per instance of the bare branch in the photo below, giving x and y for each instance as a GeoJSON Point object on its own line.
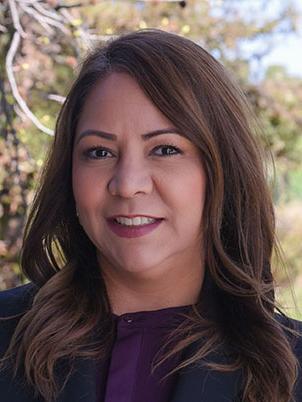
{"type": "Point", "coordinates": [15, 16]}
{"type": "Point", "coordinates": [47, 13]}
{"type": "Point", "coordinates": [11, 78]}
{"type": "Point", "coordinates": [45, 21]}
{"type": "Point", "coordinates": [27, 1]}
{"type": "Point", "coordinates": [3, 28]}
{"type": "Point", "coordinates": [103, 38]}
{"type": "Point", "coordinates": [48, 29]}
{"type": "Point", "coordinates": [57, 98]}
{"type": "Point", "coordinates": [60, 6]}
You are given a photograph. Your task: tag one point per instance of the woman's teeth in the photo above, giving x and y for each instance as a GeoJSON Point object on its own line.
{"type": "Point", "coordinates": [137, 221]}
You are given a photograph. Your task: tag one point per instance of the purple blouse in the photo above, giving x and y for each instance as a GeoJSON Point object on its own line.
{"type": "Point", "coordinates": [139, 336]}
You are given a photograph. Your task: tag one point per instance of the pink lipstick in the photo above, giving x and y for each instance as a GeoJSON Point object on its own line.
{"type": "Point", "coordinates": [132, 231]}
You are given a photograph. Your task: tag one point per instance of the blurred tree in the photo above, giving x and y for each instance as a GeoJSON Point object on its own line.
{"type": "Point", "coordinates": [43, 41]}
{"type": "Point", "coordinates": [36, 61]}
{"type": "Point", "coordinates": [279, 107]}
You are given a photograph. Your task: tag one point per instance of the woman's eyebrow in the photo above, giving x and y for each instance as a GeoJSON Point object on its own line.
{"type": "Point", "coordinates": [113, 137]}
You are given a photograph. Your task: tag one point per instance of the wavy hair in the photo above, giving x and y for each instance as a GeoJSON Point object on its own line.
{"type": "Point", "coordinates": [194, 91]}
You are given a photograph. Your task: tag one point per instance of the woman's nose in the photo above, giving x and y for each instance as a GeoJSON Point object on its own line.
{"type": "Point", "coordinates": [130, 178]}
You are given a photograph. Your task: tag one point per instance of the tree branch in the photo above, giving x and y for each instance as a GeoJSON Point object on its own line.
{"type": "Point", "coordinates": [15, 16]}
{"type": "Point", "coordinates": [61, 6]}
{"type": "Point", "coordinates": [11, 78]}
{"type": "Point", "coordinates": [47, 13]}
{"type": "Point", "coordinates": [57, 98]}
{"type": "Point", "coordinates": [45, 21]}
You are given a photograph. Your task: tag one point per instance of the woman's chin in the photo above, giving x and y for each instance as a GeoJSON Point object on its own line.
{"type": "Point", "coordinates": [141, 269]}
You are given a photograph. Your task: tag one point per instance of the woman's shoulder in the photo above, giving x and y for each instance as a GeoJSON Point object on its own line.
{"type": "Point", "coordinates": [16, 300]}
{"type": "Point", "coordinates": [296, 342]}
{"type": "Point", "coordinates": [295, 338]}
{"type": "Point", "coordinates": [288, 321]}
{"type": "Point", "coordinates": [13, 304]}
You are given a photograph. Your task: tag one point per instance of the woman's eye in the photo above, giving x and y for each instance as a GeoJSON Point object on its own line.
{"type": "Point", "coordinates": [98, 153]}
{"type": "Point", "coordinates": [103, 153]}
{"type": "Point", "coordinates": [167, 150]}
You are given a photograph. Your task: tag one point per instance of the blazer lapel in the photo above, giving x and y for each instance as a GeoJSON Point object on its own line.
{"type": "Point", "coordinates": [81, 385]}
{"type": "Point", "coordinates": [200, 384]}
{"type": "Point", "coordinates": [194, 384]}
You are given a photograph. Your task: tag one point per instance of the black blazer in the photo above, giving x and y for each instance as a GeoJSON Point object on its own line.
{"type": "Point", "coordinates": [195, 384]}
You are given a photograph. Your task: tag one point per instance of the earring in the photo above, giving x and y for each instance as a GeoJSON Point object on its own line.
{"type": "Point", "coordinates": [78, 216]}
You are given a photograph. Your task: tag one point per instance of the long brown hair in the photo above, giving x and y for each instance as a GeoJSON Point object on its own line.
{"type": "Point", "coordinates": [195, 92]}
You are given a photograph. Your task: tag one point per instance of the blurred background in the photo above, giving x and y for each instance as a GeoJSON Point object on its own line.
{"type": "Point", "coordinates": [42, 43]}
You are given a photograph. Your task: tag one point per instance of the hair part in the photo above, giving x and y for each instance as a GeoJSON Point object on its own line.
{"type": "Point", "coordinates": [199, 97]}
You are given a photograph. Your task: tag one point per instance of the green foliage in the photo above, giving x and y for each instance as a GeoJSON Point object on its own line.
{"type": "Point", "coordinates": [289, 280]}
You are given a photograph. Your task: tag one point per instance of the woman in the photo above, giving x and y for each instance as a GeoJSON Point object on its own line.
{"type": "Point", "coordinates": [149, 243]}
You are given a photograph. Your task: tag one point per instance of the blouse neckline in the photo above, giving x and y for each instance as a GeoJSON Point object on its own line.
{"type": "Point", "coordinates": [165, 317]}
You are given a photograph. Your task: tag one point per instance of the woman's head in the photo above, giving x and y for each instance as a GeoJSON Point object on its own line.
{"type": "Point", "coordinates": [130, 161]}
{"type": "Point", "coordinates": [194, 94]}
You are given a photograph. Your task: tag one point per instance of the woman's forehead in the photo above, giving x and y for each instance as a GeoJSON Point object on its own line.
{"type": "Point", "coordinates": [117, 104]}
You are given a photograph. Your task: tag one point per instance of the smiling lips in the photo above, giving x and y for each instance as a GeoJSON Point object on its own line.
{"type": "Point", "coordinates": [133, 226]}
{"type": "Point", "coordinates": [137, 221]}
{"type": "Point", "coordinates": [134, 220]}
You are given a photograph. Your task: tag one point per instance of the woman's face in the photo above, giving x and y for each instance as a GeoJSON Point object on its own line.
{"type": "Point", "coordinates": [129, 162]}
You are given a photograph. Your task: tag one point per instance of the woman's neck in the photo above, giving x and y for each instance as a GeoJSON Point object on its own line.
{"type": "Point", "coordinates": [131, 292]}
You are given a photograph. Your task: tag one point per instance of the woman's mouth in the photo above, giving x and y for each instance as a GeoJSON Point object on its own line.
{"type": "Point", "coordinates": [133, 227]}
